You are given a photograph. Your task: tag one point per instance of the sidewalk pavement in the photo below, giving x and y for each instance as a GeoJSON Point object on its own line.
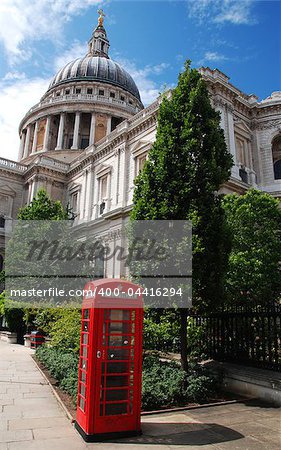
{"type": "Point", "coordinates": [31, 418]}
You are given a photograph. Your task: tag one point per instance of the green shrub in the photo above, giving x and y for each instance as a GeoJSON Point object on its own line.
{"type": "Point", "coordinates": [45, 319]}
{"type": "Point", "coordinates": [200, 388]}
{"type": "Point", "coordinates": [62, 365]}
{"type": "Point", "coordinates": [65, 332]}
{"type": "Point", "coordinates": [161, 334]}
{"type": "Point", "coordinates": [165, 384]}
{"type": "Point", "coordinates": [14, 316]}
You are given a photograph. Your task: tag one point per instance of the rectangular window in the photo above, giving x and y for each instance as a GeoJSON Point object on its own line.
{"type": "Point", "coordinates": [122, 98]}
{"type": "Point", "coordinates": [103, 188]}
{"type": "Point", "coordinates": [78, 91]}
{"type": "Point", "coordinates": [58, 94]}
{"type": "Point", "coordinates": [112, 94]}
{"type": "Point", "coordinates": [101, 92]}
{"type": "Point", "coordinates": [89, 91]}
{"type": "Point", "coordinates": [140, 163]}
{"type": "Point", "coordinates": [67, 91]}
{"type": "Point", "coordinates": [74, 202]}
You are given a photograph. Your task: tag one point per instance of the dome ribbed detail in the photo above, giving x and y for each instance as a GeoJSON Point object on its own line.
{"type": "Point", "coordinates": [96, 68]}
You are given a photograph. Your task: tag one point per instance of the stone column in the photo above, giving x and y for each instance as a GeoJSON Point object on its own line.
{"type": "Point", "coordinates": [108, 125]}
{"type": "Point", "coordinates": [89, 194]}
{"type": "Point", "coordinates": [76, 131]}
{"type": "Point", "coordinates": [22, 141]}
{"type": "Point", "coordinates": [61, 132]}
{"type": "Point", "coordinates": [31, 190]}
{"type": "Point", "coordinates": [47, 135]}
{"type": "Point", "coordinates": [34, 144]}
{"type": "Point", "coordinates": [95, 196]}
{"type": "Point", "coordinates": [232, 147]}
{"type": "Point", "coordinates": [92, 129]}
{"type": "Point", "coordinates": [27, 141]}
{"type": "Point", "coordinates": [83, 195]}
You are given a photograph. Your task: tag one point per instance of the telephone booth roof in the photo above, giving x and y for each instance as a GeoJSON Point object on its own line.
{"type": "Point", "coordinates": [113, 293]}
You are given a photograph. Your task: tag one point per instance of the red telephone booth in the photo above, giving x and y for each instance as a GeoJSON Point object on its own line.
{"type": "Point", "coordinates": [110, 367]}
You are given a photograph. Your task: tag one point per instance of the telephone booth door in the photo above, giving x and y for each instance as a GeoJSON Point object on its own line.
{"type": "Point", "coordinates": [117, 367]}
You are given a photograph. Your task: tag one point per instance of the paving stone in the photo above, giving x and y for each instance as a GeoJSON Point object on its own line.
{"type": "Point", "coordinates": [41, 413]}
{"type": "Point", "coordinates": [10, 396]}
{"type": "Point", "coordinates": [270, 437]}
{"type": "Point", "coordinates": [3, 425]}
{"type": "Point", "coordinates": [46, 422]}
{"type": "Point", "coordinates": [251, 428]}
{"type": "Point", "coordinates": [271, 423]}
{"type": "Point", "coordinates": [71, 443]}
{"type": "Point", "coordinates": [248, 443]}
{"type": "Point", "coordinates": [13, 414]}
{"type": "Point", "coordinates": [171, 418]}
{"type": "Point", "coordinates": [6, 402]}
{"type": "Point", "coordinates": [16, 436]}
{"type": "Point", "coordinates": [40, 402]}
{"type": "Point", "coordinates": [37, 394]}
{"type": "Point", "coordinates": [53, 432]}
{"type": "Point", "coordinates": [194, 447]}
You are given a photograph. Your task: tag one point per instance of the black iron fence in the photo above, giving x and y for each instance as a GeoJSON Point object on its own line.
{"type": "Point", "coordinates": [244, 336]}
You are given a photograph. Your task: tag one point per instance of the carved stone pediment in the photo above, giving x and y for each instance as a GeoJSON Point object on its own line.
{"type": "Point", "coordinates": [242, 127]}
{"type": "Point", "coordinates": [140, 147]}
{"type": "Point", "coordinates": [7, 190]}
{"type": "Point", "coordinates": [103, 170]}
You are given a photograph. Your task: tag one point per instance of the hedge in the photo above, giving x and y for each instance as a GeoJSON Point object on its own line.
{"type": "Point", "coordinates": [165, 384]}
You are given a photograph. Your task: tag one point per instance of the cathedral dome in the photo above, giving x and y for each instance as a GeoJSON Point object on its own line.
{"type": "Point", "coordinates": [96, 68]}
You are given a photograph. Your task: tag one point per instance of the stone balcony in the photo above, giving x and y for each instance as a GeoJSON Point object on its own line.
{"type": "Point", "coordinates": [80, 98]}
{"type": "Point", "coordinates": [12, 165]}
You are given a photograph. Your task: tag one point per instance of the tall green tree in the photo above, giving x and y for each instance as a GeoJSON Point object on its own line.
{"type": "Point", "coordinates": [254, 275]}
{"type": "Point", "coordinates": [186, 165]}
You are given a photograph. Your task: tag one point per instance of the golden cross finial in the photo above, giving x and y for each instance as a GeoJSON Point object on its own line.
{"type": "Point", "coordinates": [101, 17]}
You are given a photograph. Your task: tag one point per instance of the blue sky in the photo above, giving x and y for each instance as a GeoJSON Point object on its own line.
{"type": "Point", "coordinates": [152, 39]}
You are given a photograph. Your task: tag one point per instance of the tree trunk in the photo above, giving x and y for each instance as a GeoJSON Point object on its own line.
{"type": "Point", "coordinates": [183, 338]}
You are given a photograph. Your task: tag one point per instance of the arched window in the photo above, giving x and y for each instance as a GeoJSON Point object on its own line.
{"type": "Point", "coordinates": [277, 170]}
{"type": "Point", "coordinates": [276, 156]}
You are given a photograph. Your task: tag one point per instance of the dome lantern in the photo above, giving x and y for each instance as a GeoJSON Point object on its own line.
{"type": "Point", "coordinates": [99, 44]}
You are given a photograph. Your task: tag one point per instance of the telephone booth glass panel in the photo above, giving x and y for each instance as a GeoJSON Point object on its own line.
{"type": "Point", "coordinates": [83, 362]}
{"type": "Point", "coordinates": [118, 367]}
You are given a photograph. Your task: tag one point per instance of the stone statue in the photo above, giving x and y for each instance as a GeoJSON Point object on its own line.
{"type": "Point", "coordinates": [101, 17]}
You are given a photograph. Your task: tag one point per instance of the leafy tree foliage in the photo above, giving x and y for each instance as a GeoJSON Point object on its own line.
{"type": "Point", "coordinates": [253, 276]}
{"type": "Point", "coordinates": [43, 208]}
{"type": "Point", "coordinates": [186, 166]}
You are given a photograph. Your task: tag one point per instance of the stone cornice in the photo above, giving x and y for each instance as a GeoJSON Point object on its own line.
{"type": "Point", "coordinates": [47, 171]}
{"type": "Point", "coordinates": [12, 174]}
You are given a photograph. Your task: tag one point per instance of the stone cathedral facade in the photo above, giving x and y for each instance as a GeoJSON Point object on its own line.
{"type": "Point", "coordinates": [88, 137]}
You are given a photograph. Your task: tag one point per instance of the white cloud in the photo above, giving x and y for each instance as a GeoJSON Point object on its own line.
{"type": "Point", "coordinates": [212, 57]}
{"type": "Point", "coordinates": [22, 22]}
{"type": "Point", "coordinates": [77, 50]}
{"type": "Point", "coordinates": [215, 56]}
{"type": "Point", "coordinates": [15, 99]}
{"type": "Point", "coordinates": [14, 76]}
{"type": "Point", "coordinates": [149, 89]}
{"type": "Point", "coordinates": [237, 12]}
